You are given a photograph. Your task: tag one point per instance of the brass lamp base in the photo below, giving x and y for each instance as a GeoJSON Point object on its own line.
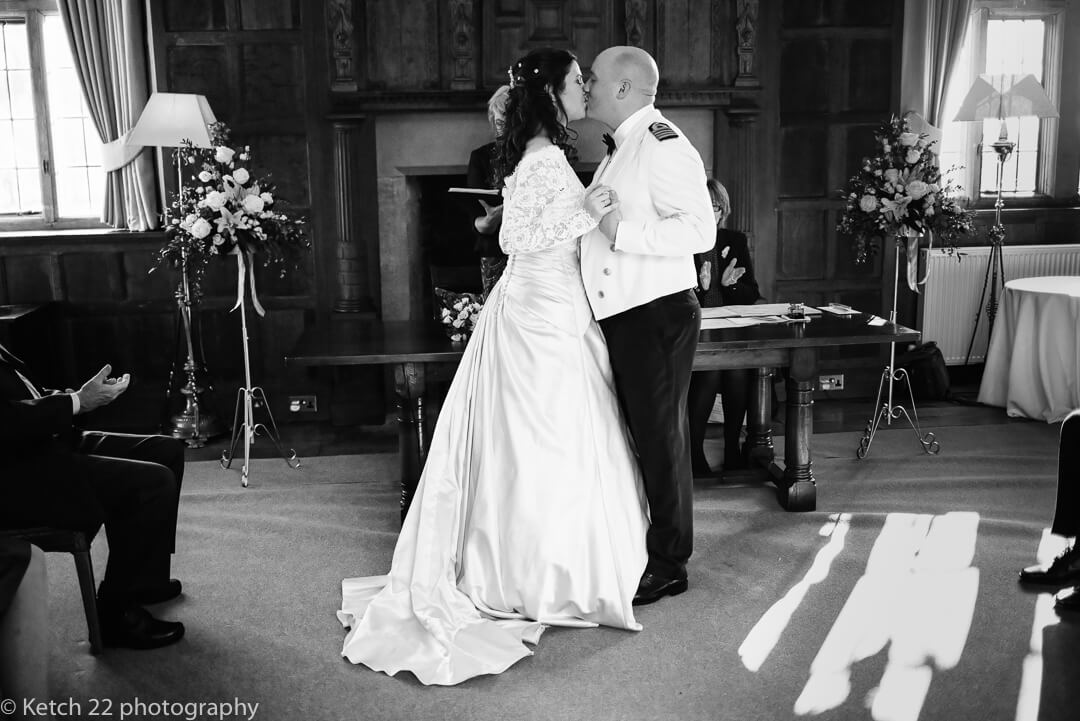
{"type": "Point", "coordinates": [193, 425]}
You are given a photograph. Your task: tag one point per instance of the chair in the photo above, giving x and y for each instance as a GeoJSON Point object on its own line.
{"type": "Point", "coordinates": [77, 543]}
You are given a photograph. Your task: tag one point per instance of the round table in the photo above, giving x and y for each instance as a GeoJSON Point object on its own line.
{"type": "Point", "coordinates": [1033, 363]}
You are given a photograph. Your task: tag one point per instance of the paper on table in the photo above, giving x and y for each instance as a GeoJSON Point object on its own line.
{"type": "Point", "coordinates": [875, 320]}
{"type": "Point", "coordinates": [760, 309]}
{"type": "Point", "coordinates": [714, 323]}
{"type": "Point", "coordinates": [479, 193]}
{"type": "Point", "coordinates": [721, 311]}
{"type": "Point", "coordinates": [837, 309]}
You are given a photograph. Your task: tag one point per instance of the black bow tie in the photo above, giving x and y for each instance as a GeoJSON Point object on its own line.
{"type": "Point", "coordinates": [610, 143]}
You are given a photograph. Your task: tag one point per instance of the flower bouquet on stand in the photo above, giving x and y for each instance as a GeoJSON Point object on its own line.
{"type": "Point", "coordinates": [900, 194]}
{"type": "Point", "coordinates": [225, 210]}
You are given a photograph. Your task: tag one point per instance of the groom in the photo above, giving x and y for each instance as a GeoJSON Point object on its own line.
{"type": "Point", "coordinates": [639, 275]}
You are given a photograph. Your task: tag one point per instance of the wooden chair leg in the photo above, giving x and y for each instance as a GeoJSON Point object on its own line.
{"type": "Point", "coordinates": [85, 570]}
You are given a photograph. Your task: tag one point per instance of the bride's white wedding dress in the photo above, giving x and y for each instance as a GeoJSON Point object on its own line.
{"type": "Point", "coordinates": [530, 510]}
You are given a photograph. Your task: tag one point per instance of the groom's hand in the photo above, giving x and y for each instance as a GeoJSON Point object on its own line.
{"type": "Point", "coordinates": [101, 390]}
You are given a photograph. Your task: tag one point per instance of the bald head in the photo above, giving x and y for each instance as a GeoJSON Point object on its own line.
{"type": "Point", "coordinates": [624, 80]}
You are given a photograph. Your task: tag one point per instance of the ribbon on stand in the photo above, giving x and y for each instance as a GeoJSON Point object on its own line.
{"type": "Point", "coordinates": [246, 268]}
{"type": "Point", "coordinates": [911, 249]}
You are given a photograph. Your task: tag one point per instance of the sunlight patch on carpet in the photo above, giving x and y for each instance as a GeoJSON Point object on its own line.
{"type": "Point", "coordinates": [916, 599]}
{"type": "Point", "coordinates": [765, 634]}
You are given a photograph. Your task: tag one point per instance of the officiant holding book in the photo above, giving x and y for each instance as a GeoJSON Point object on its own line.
{"type": "Point", "coordinates": [487, 212]}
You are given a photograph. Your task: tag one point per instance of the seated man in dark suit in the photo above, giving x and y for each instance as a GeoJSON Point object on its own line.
{"type": "Point", "coordinates": [53, 474]}
{"type": "Point", "coordinates": [1065, 569]}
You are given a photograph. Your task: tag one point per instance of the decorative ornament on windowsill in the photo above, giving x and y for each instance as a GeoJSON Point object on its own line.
{"type": "Point", "coordinates": [900, 193]}
{"type": "Point", "coordinates": [227, 211]}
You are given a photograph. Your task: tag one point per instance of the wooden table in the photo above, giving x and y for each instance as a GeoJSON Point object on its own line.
{"type": "Point", "coordinates": [420, 354]}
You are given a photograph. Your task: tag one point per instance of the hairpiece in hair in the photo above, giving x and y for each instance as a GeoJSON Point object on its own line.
{"type": "Point", "coordinates": [510, 74]}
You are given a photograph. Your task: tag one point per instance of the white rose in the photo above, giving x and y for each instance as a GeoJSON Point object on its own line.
{"type": "Point", "coordinates": [205, 176]}
{"type": "Point", "coordinates": [892, 175]}
{"type": "Point", "coordinates": [253, 203]}
{"type": "Point", "coordinates": [215, 199]}
{"type": "Point", "coordinates": [868, 203]}
{"type": "Point", "coordinates": [218, 240]}
{"type": "Point", "coordinates": [200, 228]}
{"type": "Point", "coordinates": [241, 176]}
{"type": "Point", "coordinates": [917, 189]}
{"type": "Point", "coordinates": [458, 323]}
{"type": "Point", "coordinates": [186, 225]}
{"type": "Point", "coordinates": [909, 139]}
{"type": "Point", "coordinates": [267, 198]}
{"type": "Point", "coordinates": [224, 154]}
{"type": "Point", "coordinates": [913, 156]}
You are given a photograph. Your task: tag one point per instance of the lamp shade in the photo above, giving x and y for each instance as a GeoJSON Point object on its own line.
{"type": "Point", "coordinates": [170, 118]}
{"type": "Point", "coordinates": [1006, 96]}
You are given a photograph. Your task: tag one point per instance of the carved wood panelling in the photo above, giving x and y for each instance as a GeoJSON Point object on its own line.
{"type": "Point", "coordinates": [869, 82]}
{"type": "Point", "coordinates": [463, 45]}
{"type": "Point", "coordinates": [402, 45]}
{"type": "Point", "coordinates": [804, 161]}
{"type": "Point", "coordinates": [285, 159]}
{"type": "Point", "coordinates": [342, 38]}
{"type": "Point", "coordinates": [746, 43]}
{"type": "Point", "coordinates": [514, 27]}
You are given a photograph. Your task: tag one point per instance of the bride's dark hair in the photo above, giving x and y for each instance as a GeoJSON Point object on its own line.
{"type": "Point", "coordinates": [533, 105]}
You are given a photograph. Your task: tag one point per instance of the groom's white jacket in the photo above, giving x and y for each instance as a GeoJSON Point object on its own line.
{"type": "Point", "coordinates": [666, 217]}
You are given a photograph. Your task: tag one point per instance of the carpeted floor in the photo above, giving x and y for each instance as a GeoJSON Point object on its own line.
{"type": "Point", "coordinates": [895, 600]}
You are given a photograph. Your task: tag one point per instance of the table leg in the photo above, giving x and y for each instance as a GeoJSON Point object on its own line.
{"type": "Point", "coordinates": [410, 384]}
{"type": "Point", "coordinates": [798, 490]}
{"type": "Point", "coordinates": [759, 439]}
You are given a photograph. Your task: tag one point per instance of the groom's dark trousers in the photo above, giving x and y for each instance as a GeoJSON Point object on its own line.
{"type": "Point", "coordinates": [52, 474]}
{"type": "Point", "coordinates": [652, 354]}
{"type": "Point", "coordinates": [1067, 513]}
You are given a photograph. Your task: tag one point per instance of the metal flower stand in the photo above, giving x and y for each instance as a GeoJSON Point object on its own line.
{"type": "Point", "coordinates": [891, 375]}
{"type": "Point", "coordinates": [251, 398]}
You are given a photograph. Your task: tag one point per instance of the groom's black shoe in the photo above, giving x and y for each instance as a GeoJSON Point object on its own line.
{"type": "Point", "coordinates": [133, 627]}
{"type": "Point", "coordinates": [652, 588]}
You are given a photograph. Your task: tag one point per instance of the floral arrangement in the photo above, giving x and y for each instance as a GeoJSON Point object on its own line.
{"type": "Point", "coordinates": [458, 312]}
{"type": "Point", "coordinates": [901, 193]}
{"type": "Point", "coordinates": [226, 210]}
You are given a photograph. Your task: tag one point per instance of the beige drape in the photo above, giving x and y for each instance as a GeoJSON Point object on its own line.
{"type": "Point", "coordinates": [108, 44]}
{"type": "Point", "coordinates": [933, 35]}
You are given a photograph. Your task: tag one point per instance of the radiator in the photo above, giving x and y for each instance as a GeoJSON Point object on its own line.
{"type": "Point", "coordinates": [951, 294]}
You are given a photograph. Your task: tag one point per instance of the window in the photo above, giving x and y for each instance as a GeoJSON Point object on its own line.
{"type": "Point", "coordinates": [1006, 39]}
{"type": "Point", "coordinates": [50, 165]}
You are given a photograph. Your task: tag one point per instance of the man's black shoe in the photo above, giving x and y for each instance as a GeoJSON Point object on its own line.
{"type": "Point", "coordinates": [134, 627]}
{"type": "Point", "coordinates": [1063, 571]}
{"type": "Point", "coordinates": [158, 592]}
{"type": "Point", "coordinates": [652, 588]}
{"type": "Point", "coordinates": [1068, 600]}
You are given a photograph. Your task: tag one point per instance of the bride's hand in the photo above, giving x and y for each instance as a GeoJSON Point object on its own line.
{"type": "Point", "coordinates": [599, 201]}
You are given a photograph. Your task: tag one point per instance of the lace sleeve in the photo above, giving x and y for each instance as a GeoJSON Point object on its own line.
{"type": "Point", "coordinates": [544, 207]}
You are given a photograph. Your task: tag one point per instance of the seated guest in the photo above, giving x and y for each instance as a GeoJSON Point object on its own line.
{"type": "Point", "coordinates": [59, 476]}
{"type": "Point", "coordinates": [24, 628]}
{"type": "Point", "coordinates": [1065, 569]}
{"type": "Point", "coordinates": [725, 277]}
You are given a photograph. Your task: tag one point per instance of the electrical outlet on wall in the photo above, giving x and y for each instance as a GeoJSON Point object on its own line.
{"type": "Point", "coordinates": [831, 382]}
{"type": "Point", "coordinates": [302, 404]}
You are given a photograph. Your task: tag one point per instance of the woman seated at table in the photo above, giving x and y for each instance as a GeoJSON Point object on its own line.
{"type": "Point", "coordinates": [725, 277]}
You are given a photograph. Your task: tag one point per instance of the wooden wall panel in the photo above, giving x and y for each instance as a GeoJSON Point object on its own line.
{"type": "Point", "coordinates": [402, 45]}
{"type": "Point", "coordinates": [93, 277]}
{"type": "Point", "coordinates": [190, 15]}
{"type": "Point", "coordinates": [804, 81]}
{"type": "Point", "coordinates": [206, 70]}
{"type": "Point", "coordinates": [30, 279]}
{"type": "Point", "coordinates": [269, 14]}
{"type": "Point", "coordinates": [801, 253]}
{"type": "Point", "coordinates": [871, 68]}
{"type": "Point", "coordinates": [803, 157]}
{"type": "Point", "coordinates": [272, 81]}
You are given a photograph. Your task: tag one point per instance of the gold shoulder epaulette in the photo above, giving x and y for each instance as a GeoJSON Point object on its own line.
{"type": "Point", "coordinates": [662, 131]}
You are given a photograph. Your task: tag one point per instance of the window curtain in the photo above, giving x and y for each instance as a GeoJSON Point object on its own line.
{"type": "Point", "coordinates": [934, 33]}
{"type": "Point", "coordinates": [108, 44]}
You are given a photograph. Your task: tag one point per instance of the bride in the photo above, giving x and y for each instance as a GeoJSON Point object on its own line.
{"type": "Point", "coordinates": [530, 510]}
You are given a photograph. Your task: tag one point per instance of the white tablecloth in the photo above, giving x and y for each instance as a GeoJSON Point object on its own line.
{"type": "Point", "coordinates": [1033, 364]}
